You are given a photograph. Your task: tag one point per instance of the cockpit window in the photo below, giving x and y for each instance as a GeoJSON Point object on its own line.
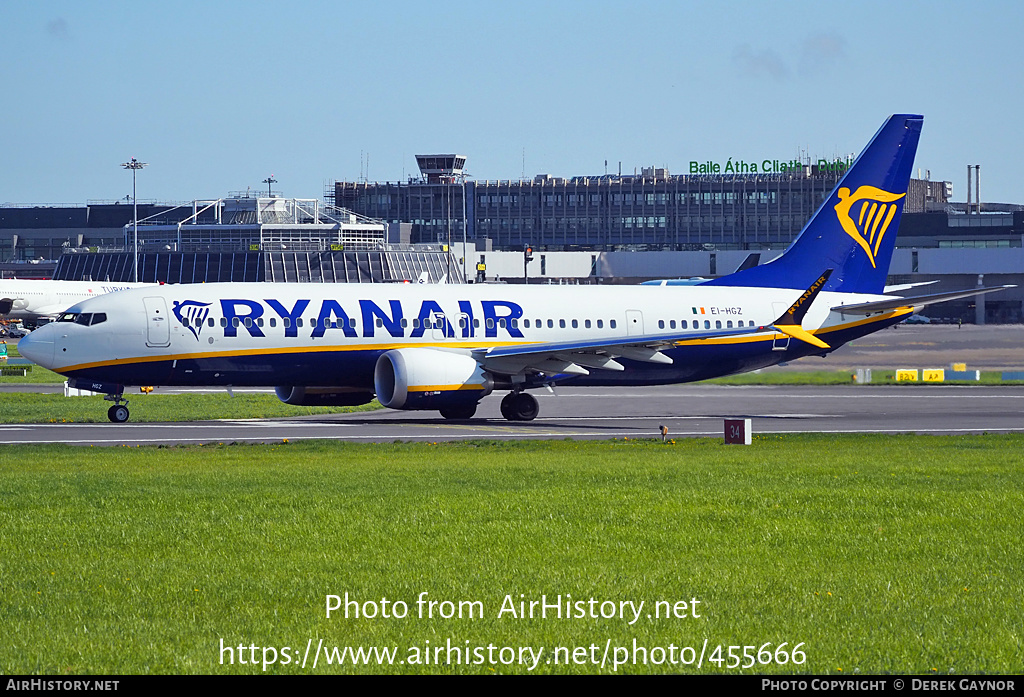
{"type": "Point", "coordinates": [86, 319]}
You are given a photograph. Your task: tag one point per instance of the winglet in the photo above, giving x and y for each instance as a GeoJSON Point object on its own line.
{"type": "Point", "coordinates": [791, 320]}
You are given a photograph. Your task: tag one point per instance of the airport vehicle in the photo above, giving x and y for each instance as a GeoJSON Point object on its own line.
{"type": "Point", "coordinates": [33, 301]}
{"type": "Point", "coordinates": [446, 347]}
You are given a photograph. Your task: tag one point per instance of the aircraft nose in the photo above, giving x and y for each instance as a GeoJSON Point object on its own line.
{"type": "Point", "coordinates": [38, 347]}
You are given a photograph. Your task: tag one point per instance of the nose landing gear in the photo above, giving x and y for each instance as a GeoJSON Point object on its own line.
{"type": "Point", "coordinates": [118, 413]}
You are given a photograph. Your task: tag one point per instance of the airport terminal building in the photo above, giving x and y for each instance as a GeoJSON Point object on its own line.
{"type": "Point", "coordinates": [236, 238]}
{"type": "Point", "coordinates": [650, 211]}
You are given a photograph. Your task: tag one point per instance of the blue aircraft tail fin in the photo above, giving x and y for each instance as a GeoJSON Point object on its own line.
{"type": "Point", "coordinates": [854, 230]}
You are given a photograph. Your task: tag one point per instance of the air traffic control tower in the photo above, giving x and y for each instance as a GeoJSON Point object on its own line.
{"type": "Point", "coordinates": [442, 169]}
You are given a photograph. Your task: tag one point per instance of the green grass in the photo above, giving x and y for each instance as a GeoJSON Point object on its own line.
{"type": "Point", "coordinates": [785, 377]}
{"type": "Point", "coordinates": [882, 554]}
{"type": "Point", "coordinates": [56, 408]}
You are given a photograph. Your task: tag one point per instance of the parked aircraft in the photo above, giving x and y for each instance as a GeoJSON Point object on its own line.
{"type": "Point", "coordinates": [750, 261]}
{"type": "Point", "coordinates": [34, 300]}
{"type": "Point", "coordinates": [446, 347]}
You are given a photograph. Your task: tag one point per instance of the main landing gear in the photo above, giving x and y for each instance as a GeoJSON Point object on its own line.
{"type": "Point", "coordinates": [118, 413]}
{"type": "Point", "coordinates": [519, 406]}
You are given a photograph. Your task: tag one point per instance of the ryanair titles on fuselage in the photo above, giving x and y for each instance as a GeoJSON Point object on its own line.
{"type": "Point", "coordinates": [244, 314]}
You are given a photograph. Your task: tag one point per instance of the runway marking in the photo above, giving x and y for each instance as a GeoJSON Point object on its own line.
{"type": "Point", "coordinates": [776, 395]}
{"type": "Point", "coordinates": [553, 434]}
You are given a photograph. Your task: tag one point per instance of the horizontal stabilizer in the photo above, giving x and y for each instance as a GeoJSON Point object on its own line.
{"type": "Point", "coordinates": [798, 332]}
{"type": "Point", "coordinates": [791, 321]}
{"type": "Point", "coordinates": [917, 301]}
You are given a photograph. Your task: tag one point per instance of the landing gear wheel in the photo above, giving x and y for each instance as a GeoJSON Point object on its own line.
{"type": "Point", "coordinates": [519, 407]}
{"type": "Point", "coordinates": [506, 406]}
{"type": "Point", "coordinates": [460, 412]}
{"type": "Point", "coordinates": [118, 413]}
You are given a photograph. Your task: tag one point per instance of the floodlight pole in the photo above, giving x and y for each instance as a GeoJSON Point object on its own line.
{"type": "Point", "coordinates": [268, 181]}
{"type": "Point", "coordinates": [134, 165]}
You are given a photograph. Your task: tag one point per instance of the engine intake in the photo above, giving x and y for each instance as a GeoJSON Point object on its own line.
{"type": "Point", "coordinates": [423, 378]}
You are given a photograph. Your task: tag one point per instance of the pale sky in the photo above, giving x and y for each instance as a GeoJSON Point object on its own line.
{"type": "Point", "coordinates": [216, 96]}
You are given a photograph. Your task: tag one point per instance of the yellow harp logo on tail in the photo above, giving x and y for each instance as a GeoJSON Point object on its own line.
{"type": "Point", "coordinates": [868, 222]}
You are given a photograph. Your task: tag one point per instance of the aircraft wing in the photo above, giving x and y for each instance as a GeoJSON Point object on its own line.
{"type": "Point", "coordinates": [916, 301]}
{"type": "Point", "coordinates": [574, 357]}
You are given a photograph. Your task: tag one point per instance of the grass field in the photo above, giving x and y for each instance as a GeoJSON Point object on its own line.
{"type": "Point", "coordinates": [880, 554]}
{"type": "Point", "coordinates": [31, 408]}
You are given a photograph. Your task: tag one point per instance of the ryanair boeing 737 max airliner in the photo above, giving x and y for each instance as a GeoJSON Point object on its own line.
{"type": "Point", "coordinates": [446, 347]}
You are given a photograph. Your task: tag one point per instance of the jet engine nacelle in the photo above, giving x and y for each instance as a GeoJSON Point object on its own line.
{"type": "Point", "coordinates": [423, 378]}
{"type": "Point", "coordinates": [322, 396]}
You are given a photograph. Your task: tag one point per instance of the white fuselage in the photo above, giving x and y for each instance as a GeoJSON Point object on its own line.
{"type": "Point", "coordinates": [31, 300]}
{"type": "Point", "coordinates": [313, 334]}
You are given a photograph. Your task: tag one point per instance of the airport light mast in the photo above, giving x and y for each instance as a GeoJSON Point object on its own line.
{"type": "Point", "coordinates": [268, 181]}
{"type": "Point", "coordinates": [134, 165]}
